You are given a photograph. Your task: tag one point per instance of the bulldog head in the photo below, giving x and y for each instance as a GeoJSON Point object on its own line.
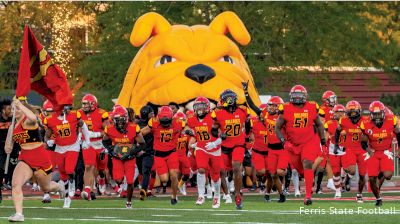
{"type": "Point", "coordinates": [178, 63]}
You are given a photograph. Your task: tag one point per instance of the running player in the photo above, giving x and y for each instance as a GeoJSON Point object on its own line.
{"type": "Point", "coordinates": [96, 119]}
{"type": "Point", "coordinates": [377, 139]}
{"type": "Point", "coordinates": [305, 131]}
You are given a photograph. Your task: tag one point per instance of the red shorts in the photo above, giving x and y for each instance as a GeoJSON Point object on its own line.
{"type": "Point", "coordinates": [164, 164]}
{"type": "Point", "coordinates": [311, 150]}
{"type": "Point", "coordinates": [184, 164]}
{"type": "Point", "coordinates": [67, 163]}
{"type": "Point", "coordinates": [193, 164]}
{"type": "Point", "coordinates": [37, 158]}
{"type": "Point", "coordinates": [259, 161]}
{"type": "Point", "coordinates": [91, 158]}
{"type": "Point", "coordinates": [121, 168]}
{"type": "Point", "coordinates": [336, 163]}
{"type": "Point", "coordinates": [379, 162]}
{"type": "Point", "coordinates": [277, 159]}
{"type": "Point", "coordinates": [209, 162]}
{"type": "Point", "coordinates": [236, 154]}
{"type": "Point", "coordinates": [295, 161]}
{"type": "Point", "coordinates": [355, 157]}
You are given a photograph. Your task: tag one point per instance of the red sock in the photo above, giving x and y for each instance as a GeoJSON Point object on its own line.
{"type": "Point", "coordinates": [309, 180]}
{"type": "Point", "coordinates": [151, 185]}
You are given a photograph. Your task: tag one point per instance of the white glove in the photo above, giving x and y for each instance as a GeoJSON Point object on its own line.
{"type": "Point", "coordinates": [80, 138]}
{"type": "Point", "coordinates": [193, 146]}
{"type": "Point", "coordinates": [214, 144]}
{"type": "Point", "coordinates": [50, 143]}
{"type": "Point", "coordinates": [85, 145]}
{"type": "Point", "coordinates": [388, 154]}
{"type": "Point", "coordinates": [189, 154]}
{"type": "Point", "coordinates": [366, 155]}
{"type": "Point", "coordinates": [93, 134]}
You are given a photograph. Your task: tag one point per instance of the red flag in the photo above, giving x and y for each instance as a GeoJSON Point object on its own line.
{"type": "Point", "coordinates": [38, 72]}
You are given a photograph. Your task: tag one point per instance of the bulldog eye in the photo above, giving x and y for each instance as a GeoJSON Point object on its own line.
{"type": "Point", "coordinates": [164, 60]}
{"type": "Point", "coordinates": [227, 59]}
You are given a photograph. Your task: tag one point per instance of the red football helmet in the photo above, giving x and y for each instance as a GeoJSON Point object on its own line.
{"type": "Point", "coordinates": [353, 109]}
{"type": "Point", "coordinates": [180, 115]}
{"type": "Point", "coordinates": [273, 104]}
{"type": "Point", "coordinates": [338, 111]}
{"type": "Point", "coordinates": [298, 94]}
{"type": "Point", "coordinates": [201, 106]}
{"type": "Point", "coordinates": [48, 106]}
{"type": "Point", "coordinates": [165, 115]}
{"type": "Point", "coordinates": [89, 103]}
{"type": "Point", "coordinates": [189, 113]}
{"type": "Point", "coordinates": [329, 98]}
{"type": "Point", "coordinates": [120, 117]}
{"type": "Point", "coordinates": [377, 110]}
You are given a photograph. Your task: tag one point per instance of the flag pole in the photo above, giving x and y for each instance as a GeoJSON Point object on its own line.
{"type": "Point", "coordinates": [9, 139]}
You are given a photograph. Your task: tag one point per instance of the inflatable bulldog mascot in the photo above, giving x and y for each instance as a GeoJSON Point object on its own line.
{"type": "Point", "coordinates": [177, 63]}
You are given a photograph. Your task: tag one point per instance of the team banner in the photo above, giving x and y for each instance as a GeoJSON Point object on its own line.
{"type": "Point", "coordinates": [38, 72]}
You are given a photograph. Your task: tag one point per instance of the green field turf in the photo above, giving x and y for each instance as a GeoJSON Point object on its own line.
{"type": "Point", "coordinates": [158, 210]}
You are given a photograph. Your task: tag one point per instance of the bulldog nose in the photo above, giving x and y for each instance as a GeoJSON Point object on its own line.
{"type": "Point", "coordinates": [200, 73]}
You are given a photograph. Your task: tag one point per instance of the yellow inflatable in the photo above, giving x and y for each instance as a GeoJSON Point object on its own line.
{"type": "Point", "coordinates": [178, 63]}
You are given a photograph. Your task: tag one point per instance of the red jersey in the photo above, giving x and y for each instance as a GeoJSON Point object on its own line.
{"type": "Point", "coordinates": [94, 120]}
{"type": "Point", "coordinates": [351, 133]}
{"type": "Point", "coordinates": [232, 124]}
{"type": "Point", "coordinates": [326, 112]}
{"type": "Point", "coordinates": [380, 139]}
{"type": "Point", "coordinates": [202, 130]}
{"type": "Point", "coordinates": [260, 131]}
{"type": "Point", "coordinates": [183, 141]}
{"type": "Point", "coordinates": [65, 134]}
{"type": "Point", "coordinates": [165, 139]}
{"type": "Point", "coordinates": [270, 121]}
{"type": "Point", "coordinates": [132, 130]}
{"type": "Point", "coordinates": [299, 125]}
{"type": "Point", "coordinates": [331, 126]}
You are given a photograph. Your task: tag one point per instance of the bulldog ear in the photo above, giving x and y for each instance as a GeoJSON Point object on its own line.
{"type": "Point", "coordinates": [148, 25]}
{"type": "Point", "coordinates": [229, 22]}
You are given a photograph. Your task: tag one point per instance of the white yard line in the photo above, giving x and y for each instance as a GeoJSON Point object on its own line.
{"type": "Point", "coordinates": [137, 221]}
{"type": "Point", "coordinates": [297, 211]}
{"type": "Point", "coordinates": [166, 215]}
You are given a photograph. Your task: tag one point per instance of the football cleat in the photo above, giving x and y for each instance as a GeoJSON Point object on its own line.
{"type": "Point", "coordinates": [102, 185]}
{"type": "Point", "coordinates": [331, 185]}
{"type": "Point", "coordinates": [378, 202]}
{"type": "Point", "coordinates": [128, 205]}
{"type": "Point", "coordinates": [228, 199]}
{"type": "Point", "coordinates": [46, 198]}
{"type": "Point", "coordinates": [164, 189]}
{"type": "Point", "coordinates": [282, 198]}
{"type": "Point", "coordinates": [267, 198]}
{"type": "Point", "coordinates": [35, 187]}
{"type": "Point", "coordinates": [85, 194]}
{"type": "Point", "coordinates": [16, 218]}
{"type": "Point", "coordinates": [215, 203]}
{"type": "Point", "coordinates": [285, 191]}
{"type": "Point", "coordinates": [92, 196]}
{"type": "Point", "coordinates": [238, 202]}
{"type": "Point", "coordinates": [150, 194]}
{"type": "Point", "coordinates": [67, 202]}
{"type": "Point", "coordinates": [200, 200]}
{"type": "Point", "coordinates": [307, 201]}
{"type": "Point", "coordinates": [359, 198]}
{"type": "Point", "coordinates": [142, 194]}
{"type": "Point", "coordinates": [174, 201]}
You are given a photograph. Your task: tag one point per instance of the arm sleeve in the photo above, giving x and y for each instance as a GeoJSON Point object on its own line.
{"type": "Point", "coordinates": [252, 105]}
